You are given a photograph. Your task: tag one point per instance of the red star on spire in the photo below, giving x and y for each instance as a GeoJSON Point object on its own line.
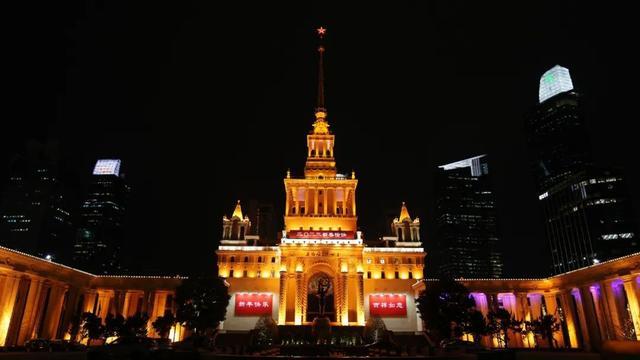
{"type": "Point", "coordinates": [321, 31]}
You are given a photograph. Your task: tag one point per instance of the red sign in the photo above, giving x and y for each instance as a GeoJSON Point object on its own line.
{"type": "Point", "coordinates": [388, 304]}
{"type": "Point", "coordinates": [319, 234]}
{"type": "Point", "coordinates": [254, 303]}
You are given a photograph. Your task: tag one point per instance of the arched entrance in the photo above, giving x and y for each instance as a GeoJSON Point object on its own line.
{"type": "Point", "coordinates": [320, 297]}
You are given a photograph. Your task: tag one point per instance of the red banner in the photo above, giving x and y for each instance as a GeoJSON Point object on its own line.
{"type": "Point", "coordinates": [319, 234]}
{"type": "Point", "coordinates": [254, 303]}
{"type": "Point", "coordinates": [388, 304]}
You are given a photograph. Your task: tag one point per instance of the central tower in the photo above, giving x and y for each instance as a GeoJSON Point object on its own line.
{"type": "Point", "coordinates": [323, 201]}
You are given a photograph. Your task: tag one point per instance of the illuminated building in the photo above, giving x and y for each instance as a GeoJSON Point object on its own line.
{"type": "Point", "coordinates": [321, 240]}
{"type": "Point", "coordinates": [35, 214]}
{"type": "Point", "coordinates": [587, 210]}
{"type": "Point", "coordinates": [38, 298]}
{"type": "Point", "coordinates": [466, 235]}
{"type": "Point", "coordinates": [553, 82]}
{"type": "Point", "coordinates": [100, 233]}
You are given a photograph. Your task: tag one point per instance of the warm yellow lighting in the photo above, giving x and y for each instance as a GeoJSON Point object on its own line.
{"type": "Point", "coordinates": [299, 267]}
{"type": "Point", "coordinates": [344, 267]}
{"type": "Point", "coordinates": [359, 268]}
{"type": "Point", "coordinates": [238, 211]}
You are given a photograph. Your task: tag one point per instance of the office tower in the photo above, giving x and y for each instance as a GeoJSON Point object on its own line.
{"type": "Point", "coordinates": [100, 233]}
{"type": "Point", "coordinates": [35, 212]}
{"type": "Point", "coordinates": [466, 234]}
{"type": "Point", "coordinates": [587, 210]}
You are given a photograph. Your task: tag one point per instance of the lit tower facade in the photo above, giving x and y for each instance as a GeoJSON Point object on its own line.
{"type": "Point", "coordinates": [321, 250]}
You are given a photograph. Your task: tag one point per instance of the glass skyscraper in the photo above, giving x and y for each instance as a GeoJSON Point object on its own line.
{"type": "Point", "coordinates": [100, 233]}
{"type": "Point", "coordinates": [466, 236]}
{"type": "Point", "coordinates": [587, 210]}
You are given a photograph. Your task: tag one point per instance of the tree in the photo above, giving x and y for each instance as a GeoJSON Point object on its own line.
{"type": "Point", "coordinates": [163, 324]}
{"type": "Point", "coordinates": [545, 327]}
{"type": "Point", "coordinates": [113, 325]}
{"type": "Point", "coordinates": [500, 322]}
{"type": "Point", "coordinates": [202, 304]}
{"type": "Point", "coordinates": [91, 327]}
{"type": "Point", "coordinates": [476, 325]}
{"type": "Point", "coordinates": [444, 307]}
{"type": "Point", "coordinates": [136, 325]}
{"type": "Point", "coordinates": [74, 327]}
{"type": "Point", "coordinates": [265, 332]}
{"type": "Point", "coordinates": [374, 330]}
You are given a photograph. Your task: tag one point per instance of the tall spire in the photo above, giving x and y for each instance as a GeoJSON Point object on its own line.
{"type": "Point", "coordinates": [320, 105]}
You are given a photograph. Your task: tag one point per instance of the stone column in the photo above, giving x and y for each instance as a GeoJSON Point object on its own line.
{"type": "Point", "coordinates": [282, 304]}
{"type": "Point", "coordinates": [589, 320]}
{"type": "Point", "coordinates": [19, 303]}
{"type": "Point", "coordinates": [54, 310]}
{"type": "Point", "coordinates": [353, 202]}
{"type": "Point", "coordinates": [335, 201]}
{"type": "Point", "coordinates": [104, 299]}
{"type": "Point", "coordinates": [8, 290]}
{"type": "Point", "coordinates": [551, 304]}
{"type": "Point", "coordinates": [287, 202]}
{"type": "Point", "coordinates": [344, 285]}
{"type": "Point", "coordinates": [30, 316]}
{"type": "Point", "coordinates": [360, 310]}
{"type": "Point", "coordinates": [315, 201]}
{"type": "Point", "coordinates": [633, 304]}
{"type": "Point", "coordinates": [299, 286]}
{"type": "Point", "coordinates": [603, 323]}
{"type": "Point", "coordinates": [536, 305]}
{"type": "Point", "coordinates": [325, 204]}
{"type": "Point", "coordinates": [569, 311]}
{"type": "Point", "coordinates": [89, 301]}
{"type": "Point", "coordinates": [611, 304]}
{"type": "Point", "coordinates": [296, 205]}
{"type": "Point", "coordinates": [522, 314]}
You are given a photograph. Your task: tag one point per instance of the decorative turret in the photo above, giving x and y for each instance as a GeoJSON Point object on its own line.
{"type": "Point", "coordinates": [406, 232]}
{"type": "Point", "coordinates": [235, 230]}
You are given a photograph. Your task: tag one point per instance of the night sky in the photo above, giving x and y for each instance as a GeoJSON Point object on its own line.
{"type": "Point", "coordinates": [206, 104]}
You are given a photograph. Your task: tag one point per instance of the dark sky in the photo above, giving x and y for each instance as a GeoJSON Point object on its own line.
{"type": "Point", "coordinates": [206, 103]}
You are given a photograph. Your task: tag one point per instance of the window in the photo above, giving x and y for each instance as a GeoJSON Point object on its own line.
{"type": "Point", "coordinates": [246, 259]}
{"type": "Point", "coordinates": [259, 259]}
{"type": "Point", "coordinates": [382, 276]}
{"type": "Point", "coordinates": [231, 273]}
{"type": "Point", "coordinates": [396, 275]}
{"type": "Point", "coordinates": [244, 273]}
{"type": "Point", "coordinates": [273, 259]}
{"type": "Point", "coordinates": [232, 259]}
{"type": "Point", "coordinates": [410, 275]}
{"type": "Point", "coordinates": [368, 274]}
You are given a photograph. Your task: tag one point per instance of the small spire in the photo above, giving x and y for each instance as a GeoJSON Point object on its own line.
{"type": "Point", "coordinates": [404, 213]}
{"type": "Point", "coordinates": [238, 211]}
{"type": "Point", "coordinates": [320, 104]}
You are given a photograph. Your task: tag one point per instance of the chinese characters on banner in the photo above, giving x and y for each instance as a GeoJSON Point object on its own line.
{"type": "Point", "coordinates": [253, 303]}
{"type": "Point", "coordinates": [388, 304]}
{"type": "Point", "coordinates": [311, 234]}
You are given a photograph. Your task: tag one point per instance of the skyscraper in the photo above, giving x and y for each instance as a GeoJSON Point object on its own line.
{"type": "Point", "coordinates": [35, 212]}
{"type": "Point", "coordinates": [100, 233]}
{"type": "Point", "coordinates": [466, 234]}
{"type": "Point", "coordinates": [587, 211]}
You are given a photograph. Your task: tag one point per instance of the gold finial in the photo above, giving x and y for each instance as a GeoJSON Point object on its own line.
{"type": "Point", "coordinates": [288, 173]}
{"type": "Point", "coordinates": [238, 211]}
{"type": "Point", "coordinates": [404, 213]}
{"type": "Point", "coordinates": [353, 174]}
